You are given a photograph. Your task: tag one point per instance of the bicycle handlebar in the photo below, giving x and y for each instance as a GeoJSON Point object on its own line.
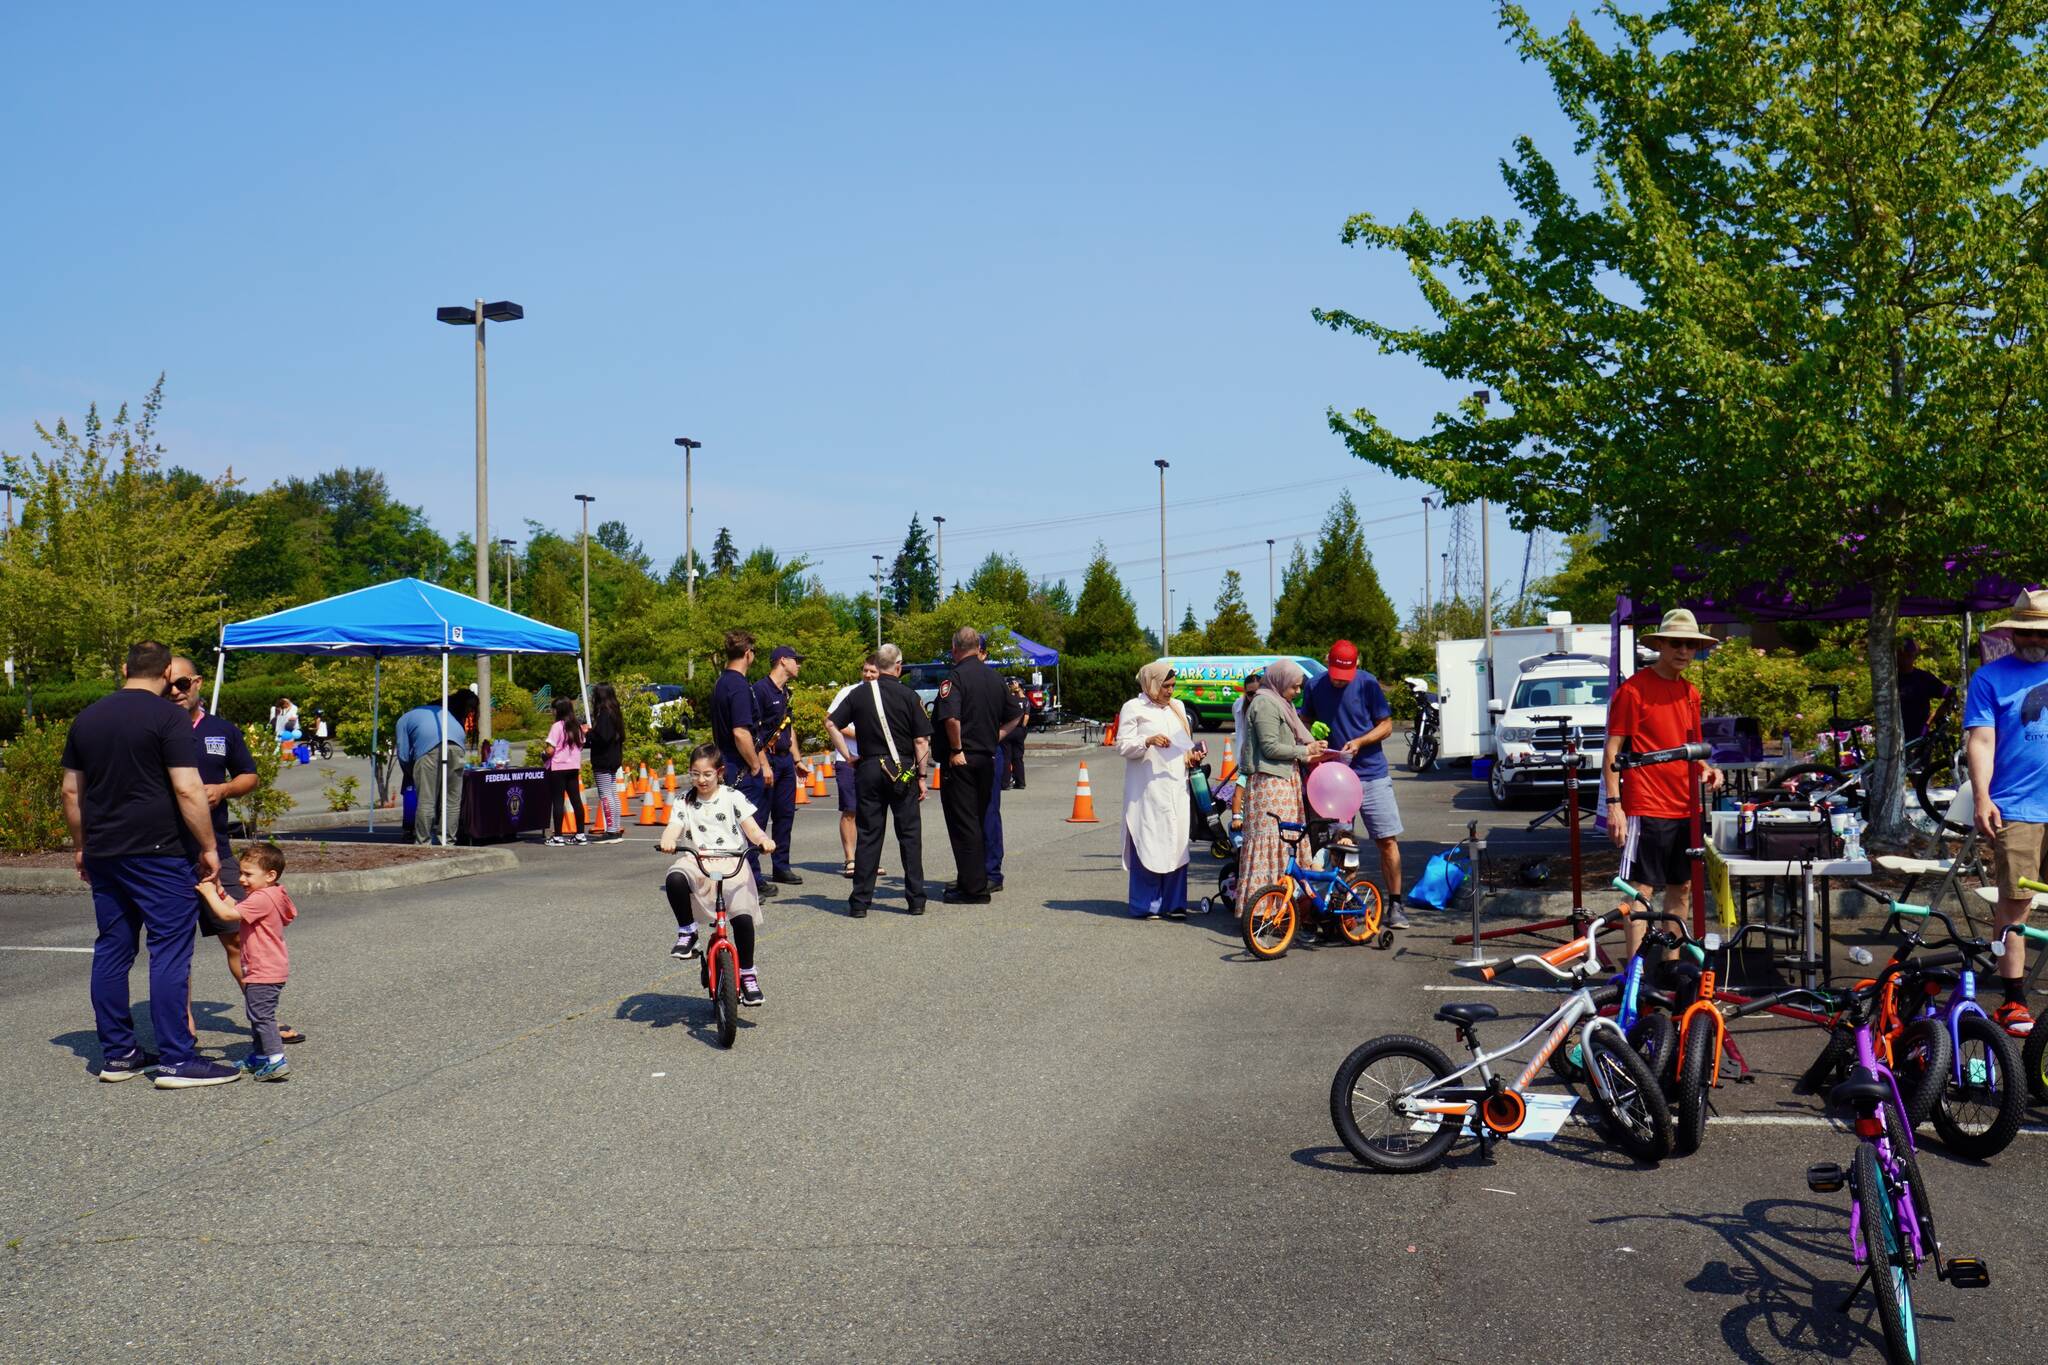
{"type": "Point", "coordinates": [739, 861]}
{"type": "Point", "coordinates": [1553, 961]}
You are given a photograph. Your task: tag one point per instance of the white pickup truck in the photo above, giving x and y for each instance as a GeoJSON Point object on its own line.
{"type": "Point", "coordinates": [1529, 754]}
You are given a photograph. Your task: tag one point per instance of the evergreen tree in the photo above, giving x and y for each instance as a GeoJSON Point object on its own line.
{"type": "Point", "coordinates": [1103, 621]}
{"type": "Point", "coordinates": [614, 536]}
{"type": "Point", "coordinates": [914, 578]}
{"type": "Point", "coordinates": [1187, 636]}
{"type": "Point", "coordinates": [1291, 579]}
{"type": "Point", "coordinates": [1337, 597]}
{"type": "Point", "coordinates": [725, 556]}
{"type": "Point", "coordinates": [1231, 630]}
{"type": "Point", "coordinates": [674, 577]}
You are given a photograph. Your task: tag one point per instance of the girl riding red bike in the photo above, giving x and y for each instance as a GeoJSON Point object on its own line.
{"type": "Point", "coordinates": [715, 823]}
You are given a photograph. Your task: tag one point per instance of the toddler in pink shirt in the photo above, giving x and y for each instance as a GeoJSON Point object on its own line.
{"type": "Point", "coordinates": [266, 965]}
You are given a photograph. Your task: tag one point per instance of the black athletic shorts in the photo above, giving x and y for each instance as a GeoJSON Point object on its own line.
{"type": "Point", "coordinates": [1655, 852]}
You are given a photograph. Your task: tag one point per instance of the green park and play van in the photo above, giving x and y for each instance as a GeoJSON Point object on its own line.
{"type": "Point", "coordinates": [1208, 684]}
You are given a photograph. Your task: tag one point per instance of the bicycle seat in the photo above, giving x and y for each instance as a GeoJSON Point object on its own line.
{"type": "Point", "coordinates": [1468, 1014]}
{"type": "Point", "coordinates": [1863, 1089]}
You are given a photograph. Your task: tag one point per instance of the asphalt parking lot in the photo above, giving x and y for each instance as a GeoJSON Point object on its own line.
{"type": "Point", "coordinates": [1032, 1131]}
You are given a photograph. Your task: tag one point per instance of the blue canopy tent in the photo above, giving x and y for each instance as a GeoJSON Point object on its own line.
{"type": "Point", "coordinates": [1027, 651]}
{"type": "Point", "coordinates": [405, 616]}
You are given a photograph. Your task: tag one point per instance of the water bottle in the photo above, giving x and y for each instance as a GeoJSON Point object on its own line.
{"type": "Point", "coordinates": [1860, 955]}
{"type": "Point", "coordinates": [1852, 839]}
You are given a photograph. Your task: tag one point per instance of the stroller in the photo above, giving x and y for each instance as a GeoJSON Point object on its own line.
{"type": "Point", "coordinates": [1210, 820]}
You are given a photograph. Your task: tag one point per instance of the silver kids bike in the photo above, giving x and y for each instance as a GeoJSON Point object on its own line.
{"type": "Point", "coordinates": [1399, 1102]}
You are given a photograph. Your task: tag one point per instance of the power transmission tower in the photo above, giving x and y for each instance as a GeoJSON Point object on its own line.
{"type": "Point", "coordinates": [1461, 569]}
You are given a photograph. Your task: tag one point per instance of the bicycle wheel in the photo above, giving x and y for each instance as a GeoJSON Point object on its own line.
{"type": "Point", "coordinates": [1883, 1244]}
{"type": "Point", "coordinates": [1566, 1063]}
{"type": "Point", "coordinates": [2035, 1061]}
{"type": "Point", "coordinates": [1935, 791]}
{"type": "Point", "coordinates": [1655, 1038]}
{"type": "Point", "coordinates": [1810, 779]}
{"type": "Point", "coordinates": [1832, 1063]}
{"type": "Point", "coordinates": [1361, 1104]}
{"type": "Point", "coordinates": [1695, 1076]}
{"type": "Point", "coordinates": [1269, 920]}
{"type": "Point", "coordinates": [1921, 1058]}
{"type": "Point", "coordinates": [1638, 1117]}
{"type": "Point", "coordinates": [725, 992]}
{"type": "Point", "coordinates": [1226, 885]}
{"type": "Point", "coordinates": [1355, 910]}
{"type": "Point", "coordinates": [1979, 1110]}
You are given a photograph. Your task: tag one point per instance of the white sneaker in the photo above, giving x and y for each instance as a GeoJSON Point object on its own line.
{"type": "Point", "coordinates": [583, 838]}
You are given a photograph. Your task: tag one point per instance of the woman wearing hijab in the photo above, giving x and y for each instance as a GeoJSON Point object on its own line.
{"type": "Point", "coordinates": [1153, 735]}
{"type": "Point", "coordinates": [1275, 743]}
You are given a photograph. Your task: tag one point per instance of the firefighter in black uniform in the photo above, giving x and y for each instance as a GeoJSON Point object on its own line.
{"type": "Point", "coordinates": [965, 721]}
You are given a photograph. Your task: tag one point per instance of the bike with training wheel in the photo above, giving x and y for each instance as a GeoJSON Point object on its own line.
{"type": "Point", "coordinates": [1399, 1102]}
{"type": "Point", "coordinates": [1344, 905]}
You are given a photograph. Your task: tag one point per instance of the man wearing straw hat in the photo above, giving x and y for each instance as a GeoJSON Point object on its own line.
{"type": "Point", "coordinates": [2005, 736]}
{"type": "Point", "coordinates": [1650, 809]}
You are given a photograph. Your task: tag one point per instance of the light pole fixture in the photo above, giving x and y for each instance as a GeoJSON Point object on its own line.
{"type": "Point", "coordinates": [1482, 397]}
{"type": "Point", "coordinates": [689, 544]}
{"type": "Point", "coordinates": [878, 600]}
{"type": "Point", "coordinates": [505, 543]}
{"type": "Point", "coordinates": [10, 490]}
{"type": "Point", "coordinates": [476, 315]}
{"type": "Point", "coordinates": [940, 522]}
{"type": "Point", "coordinates": [1427, 503]}
{"type": "Point", "coordinates": [1165, 611]}
{"type": "Point", "coordinates": [588, 652]}
{"type": "Point", "coordinates": [1269, 586]}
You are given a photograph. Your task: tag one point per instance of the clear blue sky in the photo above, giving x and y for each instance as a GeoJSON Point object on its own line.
{"type": "Point", "coordinates": [983, 263]}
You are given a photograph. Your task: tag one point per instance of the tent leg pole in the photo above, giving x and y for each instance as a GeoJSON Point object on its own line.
{"type": "Point", "coordinates": [376, 696]}
{"type": "Point", "coordinates": [443, 765]}
{"type": "Point", "coordinates": [583, 679]}
{"type": "Point", "coordinates": [220, 661]}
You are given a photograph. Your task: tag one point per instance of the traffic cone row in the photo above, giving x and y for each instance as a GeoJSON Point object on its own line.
{"type": "Point", "coordinates": [647, 808]}
{"type": "Point", "coordinates": [1084, 800]}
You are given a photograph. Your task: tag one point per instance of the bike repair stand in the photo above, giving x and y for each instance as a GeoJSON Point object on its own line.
{"type": "Point", "coordinates": [1575, 922]}
{"type": "Point", "coordinates": [1475, 848]}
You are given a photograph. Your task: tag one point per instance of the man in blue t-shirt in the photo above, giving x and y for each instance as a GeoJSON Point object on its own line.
{"type": "Point", "coordinates": [1352, 704]}
{"type": "Point", "coordinates": [2005, 724]}
{"type": "Point", "coordinates": [734, 720]}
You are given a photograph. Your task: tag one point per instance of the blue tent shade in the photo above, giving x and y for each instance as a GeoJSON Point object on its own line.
{"type": "Point", "coordinates": [1034, 652]}
{"type": "Point", "coordinates": [405, 616]}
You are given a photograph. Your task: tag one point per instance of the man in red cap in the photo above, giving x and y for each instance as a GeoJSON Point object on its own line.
{"type": "Point", "coordinates": [1350, 701]}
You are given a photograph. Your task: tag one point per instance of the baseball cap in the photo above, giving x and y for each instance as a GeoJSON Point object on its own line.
{"type": "Point", "coordinates": [1343, 661]}
{"type": "Point", "coordinates": [781, 652]}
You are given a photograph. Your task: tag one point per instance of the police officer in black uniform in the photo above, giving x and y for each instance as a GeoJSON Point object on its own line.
{"type": "Point", "coordinates": [775, 738]}
{"type": "Point", "coordinates": [965, 721]}
{"type": "Point", "coordinates": [895, 747]}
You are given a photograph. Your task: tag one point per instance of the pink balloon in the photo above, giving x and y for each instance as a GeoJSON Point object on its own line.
{"type": "Point", "coordinates": [1333, 791]}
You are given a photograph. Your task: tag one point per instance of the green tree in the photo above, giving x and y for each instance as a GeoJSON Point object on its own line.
{"type": "Point", "coordinates": [725, 556]}
{"type": "Point", "coordinates": [914, 577]}
{"type": "Point", "coordinates": [674, 577]}
{"type": "Point", "coordinates": [108, 550]}
{"type": "Point", "coordinates": [1001, 579]}
{"type": "Point", "coordinates": [614, 536]}
{"type": "Point", "coordinates": [1337, 596]}
{"type": "Point", "coordinates": [1804, 315]}
{"type": "Point", "coordinates": [1103, 621]}
{"type": "Point", "coordinates": [1585, 586]}
{"type": "Point", "coordinates": [1232, 629]}
{"type": "Point", "coordinates": [1188, 637]}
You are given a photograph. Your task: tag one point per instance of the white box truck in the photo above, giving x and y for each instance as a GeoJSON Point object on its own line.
{"type": "Point", "coordinates": [1537, 670]}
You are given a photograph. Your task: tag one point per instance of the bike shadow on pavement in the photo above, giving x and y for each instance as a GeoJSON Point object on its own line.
{"type": "Point", "coordinates": [657, 1009]}
{"type": "Point", "coordinates": [1580, 1143]}
{"type": "Point", "coordinates": [1782, 1271]}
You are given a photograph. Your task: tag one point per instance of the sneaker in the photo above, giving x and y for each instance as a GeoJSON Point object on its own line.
{"type": "Point", "coordinates": [686, 946]}
{"type": "Point", "coordinates": [129, 1067]}
{"type": "Point", "coordinates": [2014, 1018]}
{"type": "Point", "coordinates": [583, 838]}
{"type": "Point", "coordinates": [1177, 914]}
{"type": "Point", "coordinates": [196, 1073]}
{"type": "Point", "coordinates": [270, 1069]}
{"type": "Point", "coordinates": [767, 890]}
{"type": "Point", "coordinates": [1397, 918]}
{"type": "Point", "coordinates": [557, 841]}
{"type": "Point", "coordinates": [750, 989]}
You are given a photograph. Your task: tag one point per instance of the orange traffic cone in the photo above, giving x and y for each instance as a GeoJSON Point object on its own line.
{"type": "Point", "coordinates": [935, 773]}
{"type": "Point", "coordinates": [817, 779]}
{"type": "Point", "coordinates": [668, 779]}
{"type": "Point", "coordinates": [803, 793]}
{"type": "Point", "coordinates": [647, 809]}
{"type": "Point", "coordinates": [644, 783]}
{"type": "Point", "coordinates": [1109, 735]}
{"type": "Point", "coordinates": [568, 820]}
{"type": "Point", "coordinates": [1084, 801]}
{"type": "Point", "coordinates": [825, 768]}
{"type": "Point", "coordinates": [1229, 761]}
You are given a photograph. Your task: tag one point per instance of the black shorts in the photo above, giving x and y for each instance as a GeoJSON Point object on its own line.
{"type": "Point", "coordinates": [849, 787]}
{"type": "Point", "coordinates": [1655, 851]}
{"type": "Point", "coordinates": [210, 924]}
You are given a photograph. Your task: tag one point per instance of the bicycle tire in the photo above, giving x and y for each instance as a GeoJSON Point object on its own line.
{"type": "Point", "coordinates": [1406, 1150]}
{"type": "Point", "coordinates": [2000, 1097]}
{"type": "Point", "coordinates": [1890, 1281]}
{"type": "Point", "coordinates": [1363, 924]}
{"type": "Point", "coordinates": [1921, 1060]}
{"type": "Point", "coordinates": [1639, 1120]}
{"type": "Point", "coordinates": [1655, 1038]}
{"type": "Point", "coordinates": [1695, 1077]}
{"type": "Point", "coordinates": [1832, 778]}
{"type": "Point", "coordinates": [1935, 808]}
{"type": "Point", "coordinates": [1564, 1062]}
{"type": "Point", "coordinates": [1832, 1063]}
{"type": "Point", "coordinates": [1226, 886]}
{"type": "Point", "coordinates": [725, 993]}
{"type": "Point", "coordinates": [1269, 922]}
{"type": "Point", "coordinates": [2034, 1058]}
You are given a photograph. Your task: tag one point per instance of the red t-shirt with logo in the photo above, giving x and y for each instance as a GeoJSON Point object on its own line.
{"type": "Point", "coordinates": [1656, 713]}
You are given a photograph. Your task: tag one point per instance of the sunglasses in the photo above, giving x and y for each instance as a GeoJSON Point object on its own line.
{"type": "Point", "coordinates": [180, 684]}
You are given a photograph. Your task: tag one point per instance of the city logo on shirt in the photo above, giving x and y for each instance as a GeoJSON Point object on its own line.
{"type": "Point", "coordinates": [217, 745]}
{"type": "Point", "coordinates": [945, 689]}
{"type": "Point", "coordinates": [2030, 712]}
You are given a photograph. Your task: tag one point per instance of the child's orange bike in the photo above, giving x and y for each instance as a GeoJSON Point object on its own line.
{"type": "Point", "coordinates": [721, 971]}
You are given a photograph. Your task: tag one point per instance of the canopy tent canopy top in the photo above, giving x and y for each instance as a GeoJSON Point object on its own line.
{"type": "Point", "coordinates": [404, 616]}
{"type": "Point", "coordinates": [1034, 652]}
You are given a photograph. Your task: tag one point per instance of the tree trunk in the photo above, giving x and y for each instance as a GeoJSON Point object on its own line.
{"type": "Point", "coordinates": [1885, 789]}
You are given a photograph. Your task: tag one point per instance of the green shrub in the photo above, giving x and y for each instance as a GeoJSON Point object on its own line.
{"type": "Point", "coordinates": [259, 810]}
{"type": "Point", "coordinates": [341, 792]}
{"type": "Point", "coordinates": [32, 790]}
{"type": "Point", "coordinates": [1098, 686]}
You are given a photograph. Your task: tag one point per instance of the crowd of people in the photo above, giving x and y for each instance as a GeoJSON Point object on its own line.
{"type": "Point", "coordinates": [148, 772]}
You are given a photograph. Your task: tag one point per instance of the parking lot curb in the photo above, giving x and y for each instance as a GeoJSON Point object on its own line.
{"type": "Point", "coordinates": [463, 863]}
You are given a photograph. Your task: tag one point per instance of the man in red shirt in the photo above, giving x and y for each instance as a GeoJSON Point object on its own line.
{"type": "Point", "coordinates": [1649, 809]}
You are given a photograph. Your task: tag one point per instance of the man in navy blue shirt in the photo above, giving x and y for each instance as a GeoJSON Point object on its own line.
{"type": "Point", "coordinates": [734, 723]}
{"type": "Point", "coordinates": [775, 739]}
{"type": "Point", "coordinates": [1351, 702]}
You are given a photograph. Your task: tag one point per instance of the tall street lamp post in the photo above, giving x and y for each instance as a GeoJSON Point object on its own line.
{"type": "Point", "coordinates": [588, 652]}
{"type": "Point", "coordinates": [476, 316]}
{"type": "Point", "coordinates": [10, 490]}
{"type": "Point", "coordinates": [1269, 585]}
{"type": "Point", "coordinates": [1165, 611]}
{"type": "Point", "coordinates": [505, 544]}
{"type": "Point", "coordinates": [878, 600]}
{"type": "Point", "coordinates": [940, 522]}
{"type": "Point", "coordinates": [1483, 397]}
{"type": "Point", "coordinates": [689, 543]}
{"type": "Point", "coordinates": [1426, 505]}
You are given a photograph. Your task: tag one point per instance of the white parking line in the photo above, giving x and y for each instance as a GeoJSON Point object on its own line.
{"type": "Point", "coordinates": [1814, 1121]}
{"type": "Point", "coordinates": [12, 948]}
{"type": "Point", "coordinates": [1533, 990]}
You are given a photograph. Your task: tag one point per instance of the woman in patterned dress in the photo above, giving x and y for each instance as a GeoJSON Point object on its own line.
{"type": "Point", "coordinates": [1276, 743]}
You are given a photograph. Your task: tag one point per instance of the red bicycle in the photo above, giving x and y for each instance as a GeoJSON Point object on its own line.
{"type": "Point", "coordinates": [721, 971]}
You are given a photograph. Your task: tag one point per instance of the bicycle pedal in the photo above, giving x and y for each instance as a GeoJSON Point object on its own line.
{"type": "Point", "coordinates": [1826, 1178]}
{"type": "Point", "coordinates": [1966, 1272]}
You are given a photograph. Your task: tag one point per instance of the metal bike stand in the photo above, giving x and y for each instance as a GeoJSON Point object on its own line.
{"type": "Point", "coordinates": [1575, 922]}
{"type": "Point", "coordinates": [1475, 848]}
